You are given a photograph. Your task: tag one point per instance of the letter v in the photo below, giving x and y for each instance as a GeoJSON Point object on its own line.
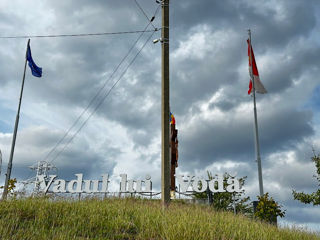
{"type": "Point", "coordinates": [42, 182]}
{"type": "Point", "coordinates": [184, 185]}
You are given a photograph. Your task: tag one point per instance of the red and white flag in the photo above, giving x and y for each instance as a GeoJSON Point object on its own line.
{"type": "Point", "coordinates": [257, 83]}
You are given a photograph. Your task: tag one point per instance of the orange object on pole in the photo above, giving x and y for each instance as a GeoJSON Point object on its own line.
{"type": "Point", "coordinates": [174, 156]}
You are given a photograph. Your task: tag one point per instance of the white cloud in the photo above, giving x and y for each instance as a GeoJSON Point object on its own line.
{"type": "Point", "coordinates": [209, 81]}
{"type": "Point", "coordinates": [202, 41]}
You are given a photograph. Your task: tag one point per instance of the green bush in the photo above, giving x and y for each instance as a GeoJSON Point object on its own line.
{"type": "Point", "coordinates": [226, 201]}
{"type": "Point", "coordinates": [268, 210]}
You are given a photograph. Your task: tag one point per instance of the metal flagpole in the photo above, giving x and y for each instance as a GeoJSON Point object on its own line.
{"type": "Point", "coordinates": [257, 146]}
{"type": "Point", "coordinates": [8, 175]}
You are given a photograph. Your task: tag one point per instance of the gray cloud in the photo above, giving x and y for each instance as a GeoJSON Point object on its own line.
{"type": "Point", "coordinates": [209, 80]}
{"type": "Point", "coordinates": [233, 138]}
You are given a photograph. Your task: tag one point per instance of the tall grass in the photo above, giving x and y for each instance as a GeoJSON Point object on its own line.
{"type": "Point", "coordinates": [129, 219]}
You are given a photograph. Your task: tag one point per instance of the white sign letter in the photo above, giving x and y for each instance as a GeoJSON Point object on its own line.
{"type": "Point", "coordinates": [78, 182]}
{"type": "Point", "coordinates": [43, 182]}
{"type": "Point", "coordinates": [234, 185]}
{"type": "Point", "coordinates": [216, 181]}
{"type": "Point", "coordinates": [184, 185]}
{"type": "Point", "coordinates": [123, 183]}
{"type": "Point", "coordinates": [199, 187]}
{"type": "Point", "coordinates": [104, 187]}
{"type": "Point", "coordinates": [148, 184]}
{"type": "Point", "coordinates": [60, 186]}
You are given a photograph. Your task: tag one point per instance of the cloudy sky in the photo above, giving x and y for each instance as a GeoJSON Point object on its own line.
{"type": "Point", "coordinates": [208, 80]}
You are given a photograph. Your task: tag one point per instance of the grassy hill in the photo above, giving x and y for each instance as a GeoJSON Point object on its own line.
{"type": "Point", "coordinates": [129, 219]}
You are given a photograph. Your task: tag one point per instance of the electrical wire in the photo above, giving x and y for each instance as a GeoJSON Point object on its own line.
{"type": "Point", "coordinates": [102, 100]}
{"type": "Point", "coordinates": [107, 81]}
{"type": "Point", "coordinates": [103, 86]}
{"type": "Point", "coordinates": [97, 94]}
{"type": "Point", "coordinates": [156, 12]}
{"type": "Point", "coordinates": [144, 13]}
{"type": "Point", "coordinates": [79, 35]}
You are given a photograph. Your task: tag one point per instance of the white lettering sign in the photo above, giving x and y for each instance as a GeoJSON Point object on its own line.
{"type": "Point", "coordinates": [79, 185]}
{"type": "Point", "coordinates": [215, 185]}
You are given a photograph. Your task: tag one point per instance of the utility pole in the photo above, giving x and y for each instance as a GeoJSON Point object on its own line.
{"type": "Point", "coordinates": [165, 111]}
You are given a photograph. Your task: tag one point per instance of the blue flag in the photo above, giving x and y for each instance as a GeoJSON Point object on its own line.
{"type": "Point", "coordinates": [35, 70]}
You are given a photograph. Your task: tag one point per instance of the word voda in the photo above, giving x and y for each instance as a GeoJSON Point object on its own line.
{"type": "Point", "coordinates": [79, 185]}
{"type": "Point", "coordinates": [216, 184]}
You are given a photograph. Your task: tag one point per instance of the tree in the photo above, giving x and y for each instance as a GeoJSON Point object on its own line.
{"type": "Point", "coordinates": [11, 185]}
{"type": "Point", "coordinates": [314, 197]}
{"type": "Point", "coordinates": [228, 201]}
{"type": "Point", "coordinates": [268, 210]}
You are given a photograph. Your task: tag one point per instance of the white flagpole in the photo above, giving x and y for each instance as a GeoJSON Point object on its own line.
{"type": "Point", "coordinates": [8, 175]}
{"type": "Point", "coordinates": [257, 146]}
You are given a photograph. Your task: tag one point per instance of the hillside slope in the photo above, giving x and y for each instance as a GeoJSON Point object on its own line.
{"type": "Point", "coordinates": [128, 219]}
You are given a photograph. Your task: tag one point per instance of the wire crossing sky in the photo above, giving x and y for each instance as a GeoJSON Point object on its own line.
{"type": "Point", "coordinates": [103, 99]}
{"type": "Point", "coordinates": [98, 93]}
{"type": "Point", "coordinates": [79, 35]}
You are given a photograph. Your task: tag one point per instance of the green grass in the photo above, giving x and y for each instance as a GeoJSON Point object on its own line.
{"type": "Point", "coordinates": [129, 219]}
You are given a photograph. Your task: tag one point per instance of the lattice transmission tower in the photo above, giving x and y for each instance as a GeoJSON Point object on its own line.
{"type": "Point", "coordinates": [41, 168]}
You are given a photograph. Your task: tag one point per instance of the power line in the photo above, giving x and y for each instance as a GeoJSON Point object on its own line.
{"type": "Point", "coordinates": [144, 13]}
{"type": "Point", "coordinates": [97, 94]}
{"type": "Point", "coordinates": [79, 35]}
{"type": "Point", "coordinates": [102, 100]}
{"type": "Point", "coordinates": [103, 86]}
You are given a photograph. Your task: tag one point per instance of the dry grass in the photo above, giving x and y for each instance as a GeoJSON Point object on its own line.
{"type": "Point", "coordinates": [129, 219]}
